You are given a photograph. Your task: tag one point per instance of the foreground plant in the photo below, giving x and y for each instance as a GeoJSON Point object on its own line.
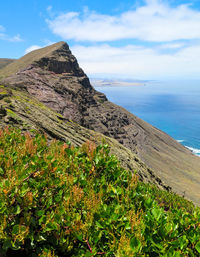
{"type": "Point", "coordinates": [57, 200]}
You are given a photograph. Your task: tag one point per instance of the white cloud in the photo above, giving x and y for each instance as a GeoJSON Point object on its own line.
{"type": "Point", "coordinates": [49, 8]}
{"type": "Point", "coordinates": [16, 38]}
{"type": "Point", "coordinates": [172, 46]}
{"type": "Point", "coordinates": [155, 21]}
{"type": "Point", "coordinates": [4, 36]}
{"type": "Point", "coordinates": [50, 11]}
{"type": "Point", "coordinates": [169, 38]}
{"type": "Point", "coordinates": [32, 48]}
{"type": "Point", "coordinates": [138, 62]}
{"type": "Point", "coordinates": [35, 47]}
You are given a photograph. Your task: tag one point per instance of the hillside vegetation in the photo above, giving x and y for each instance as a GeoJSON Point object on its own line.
{"type": "Point", "coordinates": [21, 110]}
{"type": "Point", "coordinates": [60, 200]}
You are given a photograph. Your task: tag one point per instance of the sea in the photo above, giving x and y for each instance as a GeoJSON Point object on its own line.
{"type": "Point", "coordinates": [172, 106]}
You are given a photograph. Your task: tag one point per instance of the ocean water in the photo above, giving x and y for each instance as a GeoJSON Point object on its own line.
{"type": "Point", "coordinates": [172, 106]}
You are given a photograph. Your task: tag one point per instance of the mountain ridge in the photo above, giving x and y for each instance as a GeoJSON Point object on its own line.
{"type": "Point", "coordinates": [39, 56]}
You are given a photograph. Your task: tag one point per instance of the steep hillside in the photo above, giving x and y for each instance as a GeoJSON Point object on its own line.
{"type": "Point", "coordinates": [20, 109]}
{"type": "Point", "coordinates": [53, 77]}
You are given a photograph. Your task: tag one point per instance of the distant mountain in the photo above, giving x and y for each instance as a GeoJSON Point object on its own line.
{"type": "Point", "coordinates": [5, 61]}
{"type": "Point", "coordinates": [57, 97]}
{"type": "Point", "coordinates": [117, 82]}
{"type": "Point", "coordinates": [109, 82]}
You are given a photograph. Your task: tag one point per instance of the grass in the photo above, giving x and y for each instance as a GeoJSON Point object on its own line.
{"type": "Point", "coordinates": [5, 61]}
{"type": "Point", "coordinates": [60, 200]}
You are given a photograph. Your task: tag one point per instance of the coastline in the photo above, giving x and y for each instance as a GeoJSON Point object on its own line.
{"type": "Point", "coordinates": [195, 151]}
{"type": "Point", "coordinates": [103, 83]}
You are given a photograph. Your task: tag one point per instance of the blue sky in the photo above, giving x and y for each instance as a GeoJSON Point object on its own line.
{"type": "Point", "coordinates": [144, 39]}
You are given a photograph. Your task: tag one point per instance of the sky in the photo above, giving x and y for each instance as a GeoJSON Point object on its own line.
{"type": "Point", "coordinates": [142, 39]}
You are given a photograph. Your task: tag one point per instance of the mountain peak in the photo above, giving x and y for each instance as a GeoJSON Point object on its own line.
{"type": "Point", "coordinates": [56, 58]}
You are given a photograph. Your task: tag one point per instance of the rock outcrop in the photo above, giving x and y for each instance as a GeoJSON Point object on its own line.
{"type": "Point", "coordinates": [53, 77]}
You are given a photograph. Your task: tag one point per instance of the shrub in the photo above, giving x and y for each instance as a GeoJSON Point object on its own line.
{"type": "Point", "coordinates": [59, 200]}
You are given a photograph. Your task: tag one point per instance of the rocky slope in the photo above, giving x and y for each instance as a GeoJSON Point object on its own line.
{"type": "Point", "coordinates": [53, 77]}
{"type": "Point", "coordinates": [19, 109]}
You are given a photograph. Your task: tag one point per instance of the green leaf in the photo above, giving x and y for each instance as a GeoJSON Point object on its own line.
{"type": "Point", "coordinates": [40, 213]}
{"type": "Point", "coordinates": [97, 160]}
{"type": "Point", "coordinates": [183, 242]}
{"type": "Point", "coordinates": [17, 209]}
{"type": "Point", "coordinates": [148, 203]}
{"type": "Point", "coordinates": [158, 245]}
{"type": "Point", "coordinates": [156, 213]}
{"type": "Point", "coordinates": [197, 247]}
{"type": "Point", "coordinates": [135, 243]}
{"type": "Point", "coordinates": [97, 236]}
{"type": "Point", "coordinates": [7, 244]}
{"type": "Point", "coordinates": [98, 225]}
{"type": "Point", "coordinates": [51, 226]}
{"type": "Point", "coordinates": [168, 228]}
{"type": "Point", "coordinates": [79, 237]}
{"type": "Point", "coordinates": [1, 171]}
{"type": "Point", "coordinates": [88, 254]}
{"type": "Point", "coordinates": [7, 183]}
{"type": "Point", "coordinates": [177, 254]}
{"type": "Point", "coordinates": [15, 229]}
{"type": "Point", "coordinates": [41, 238]}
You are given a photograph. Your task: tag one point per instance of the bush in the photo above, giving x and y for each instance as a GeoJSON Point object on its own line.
{"type": "Point", "coordinates": [58, 200]}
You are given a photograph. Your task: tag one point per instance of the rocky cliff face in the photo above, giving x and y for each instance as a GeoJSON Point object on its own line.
{"type": "Point", "coordinates": [52, 76]}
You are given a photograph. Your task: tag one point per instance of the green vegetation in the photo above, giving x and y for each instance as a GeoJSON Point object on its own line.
{"type": "Point", "coordinates": [57, 200]}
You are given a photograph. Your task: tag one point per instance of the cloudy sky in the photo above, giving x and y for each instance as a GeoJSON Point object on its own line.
{"type": "Point", "coordinates": [149, 39]}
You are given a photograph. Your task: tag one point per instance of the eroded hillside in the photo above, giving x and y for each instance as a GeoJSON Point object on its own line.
{"type": "Point", "coordinates": [20, 109]}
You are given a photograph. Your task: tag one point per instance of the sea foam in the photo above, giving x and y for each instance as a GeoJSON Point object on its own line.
{"type": "Point", "coordinates": [180, 140]}
{"type": "Point", "coordinates": [194, 150]}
